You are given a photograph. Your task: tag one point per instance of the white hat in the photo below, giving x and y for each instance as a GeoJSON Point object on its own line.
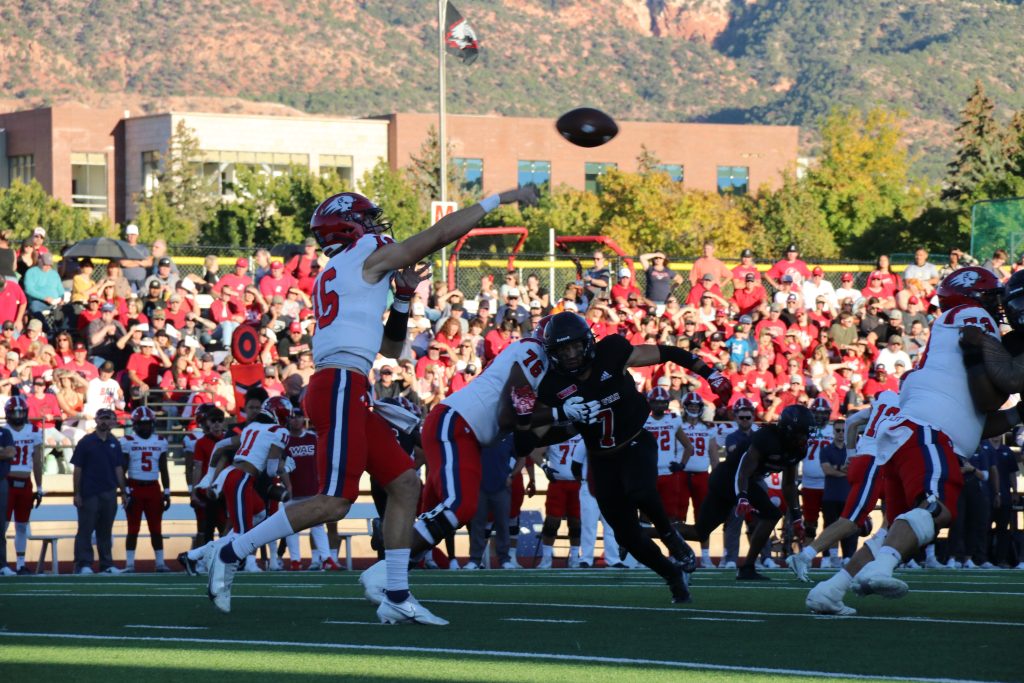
{"type": "Point", "coordinates": [39, 231]}
{"type": "Point", "coordinates": [419, 309]}
{"type": "Point", "coordinates": [146, 341]}
{"type": "Point", "coordinates": [271, 335]}
{"type": "Point", "coordinates": [535, 304]}
{"type": "Point", "coordinates": [132, 229]}
{"type": "Point", "coordinates": [623, 272]}
{"type": "Point", "coordinates": [664, 381]}
{"type": "Point", "coordinates": [142, 327]}
{"type": "Point", "coordinates": [570, 306]}
{"type": "Point", "coordinates": [512, 291]}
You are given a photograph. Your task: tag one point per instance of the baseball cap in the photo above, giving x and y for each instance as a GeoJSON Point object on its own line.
{"type": "Point", "coordinates": [749, 277]}
{"type": "Point", "coordinates": [8, 325]}
{"type": "Point", "coordinates": [895, 339]}
{"type": "Point", "coordinates": [155, 285]}
{"type": "Point", "coordinates": [418, 309]}
{"type": "Point", "coordinates": [623, 272]}
{"type": "Point", "coordinates": [791, 297]}
{"type": "Point", "coordinates": [746, 253]}
{"type": "Point", "coordinates": [106, 413]}
{"type": "Point", "coordinates": [142, 327]}
{"type": "Point", "coordinates": [717, 336]}
{"type": "Point", "coordinates": [158, 314]}
{"type": "Point", "coordinates": [310, 242]}
{"type": "Point", "coordinates": [295, 327]}
{"type": "Point", "coordinates": [708, 276]}
{"type": "Point", "coordinates": [746, 319]}
{"type": "Point", "coordinates": [13, 355]}
{"type": "Point", "coordinates": [571, 306]}
{"type": "Point", "coordinates": [164, 262]}
{"type": "Point", "coordinates": [107, 308]}
{"type": "Point", "coordinates": [46, 259]}
{"type": "Point", "coordinates": [242, 263]}
{"type": "Point", "coordinates": [174, 298]}
{"type": "Point", "coordinates": [787, 278]}
{"type": "Point", "coordinates": [818, 270]}
{"type": "Point", "coordinates": [93, 297]}
{"type": "Point", "coordinates": [847, 277]}
{"type": "Point", "coordinates": [777, 307]}
{"type": "Point", "coordinates": [276, 265]}
{"type": "Point", "coordinates": [879, 366]}
{"type": "Point", "coordinates": [205, 357]}
{"type": "Point", "coordinates": [512, 292]}
{"type": "Point", "coordinates": [664, 381]}
{"type": "Point", "coordinates": [276, 299]}
{"type": "Point", "coordinates": [913, 300]}
{"type": "Point", "coordinates": [900, 363]}
{"type": "Point", "coordinates": [748, 361]}
{"type": "Point", "coordinates": [792, 247]}
{"type": "Point", "coordinates": [533, 304]}
{"type": "Point", "coordinates": [35, 324]}
{"type": "Point", "coordinates": [131, 229]}
{"type": "Point", "coordinates": [39, 231]}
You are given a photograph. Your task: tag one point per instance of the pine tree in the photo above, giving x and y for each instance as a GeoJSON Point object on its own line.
{"type": "Point", "coordinates": [979, 168]}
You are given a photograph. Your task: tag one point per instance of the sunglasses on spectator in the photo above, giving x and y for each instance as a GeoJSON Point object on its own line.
{"type": "Point", "coordinates": [744, 417]}
{"type": "Point", "coordinates": [386, 372]}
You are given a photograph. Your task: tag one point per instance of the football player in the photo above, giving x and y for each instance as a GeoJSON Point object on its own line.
{"type": "Point", "coordinates": [146, 455]}
{"type": "Point", "coordinates": [693, 470]}
{"type": "Point", "coordinates": [301, 449]}
{"type": "Point", "coordinates": [562, 500]}
{"type": "Point", "coordinates": [812, 478]}
{"type": "Point", "coordinates": [734, 485]}
{"type": "Point", "coordinates": [589, 387]}
{"type": "Point", "coordinates": [210, 514]}
{"type": "Point", "coordinates": [349, 298]}
{"type": "Point", "coordinates": [667, 429]}
{"type": "Point", "coordinates": [26, 466]}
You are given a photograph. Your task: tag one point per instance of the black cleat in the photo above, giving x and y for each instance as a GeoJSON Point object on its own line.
{"type": "Point", "coordinates": [188, 564]}
{"type": "Point", "coordinates": [584, 564]}
{"type": "Point", "coordinates": [680, 588]}
{"type": "Point", "coordinates": [749, 573]}
{"type": "Point", "coordinates": [681, 552]}
{"type": "Point", "coordinates": [25, 571]}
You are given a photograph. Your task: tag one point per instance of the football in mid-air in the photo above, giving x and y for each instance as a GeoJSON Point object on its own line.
{"type": "Point", "coordinates": [587, 127]}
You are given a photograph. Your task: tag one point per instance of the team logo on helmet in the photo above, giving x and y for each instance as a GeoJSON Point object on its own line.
{"type": "Point", "coordinates": [340, 204]}
{"type": "Point", "coordinates": [965, 278]}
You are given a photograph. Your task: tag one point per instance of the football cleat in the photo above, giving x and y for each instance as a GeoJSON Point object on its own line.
{"type": "Point", "coordinates": [874, 579]}
{"type": "Point", "coordinates": [800, 565]}
{"type": "Point", "coordinates": [585, 565]}
{"type": "Point", "coordinates": [827, 599]}
{"type": "Point", "coordinates": [545, 563]}
{"type": "Point", "coordinates": [932, 563]}
{"type": "Point", "coordinates": [331, 565]}
{"type": "Point", "coordinates": [408, 612]}
{"type": "Point", "coordinates": [374, 582]}
{"type": "Point", "coordinates": [729, 565]}
{"type": "Point", "coordinates": [453, 565]}
{"type": "Point", "coordinates": [162, 569]}
{"type": "Point", "coordinates": [912, 564]}
{"type": "Point", "coordinates": [83, 571]}
{"type": "Point", "coordinates": [25, 571]}
{"type": "Point", "coordinates": [749, 573]}
{"type": "Point", "coordinates": [679, 586]}
{"type": "Point", "coordinates": [470, 566]}
{"type": "Point", "coordinates": [315, 566]}
{"type": "Point", "coordinates": [111, 570]}
{"type": "Point", "coordinates": [295, 566]}
{"type": "Point", "coordinates": [429, 563]}
{"type": "Point", "coordinates": [128, 569]}
{"type": "Point", "coordinates": [511, 565]}
{"type": "Point", "coordinates": [222, 574]}
{"type": "Point", "coordinates": [7, 571]}
{"type": "Point", "coordinates": [680, 551]}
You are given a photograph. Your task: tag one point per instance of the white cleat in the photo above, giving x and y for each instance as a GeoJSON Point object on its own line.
{"type": "Point", "coordinates": [932, 563]}
{"type": "Point", "coordinates": [470, 566]}
{"type": "Point", "coordinates": [218, 586]}
{"type": "Point", "coordinates": [912, 564]}
{"type": "Point", "coordinates": [112, 570]}
{"type": "Point", "coordinates": [374, 581]}
{"type": "Point", "coordinates": [429, 563]}
{"type": "Point", "coordinates": [545, 563]}
{"type": "Point", "coordinates": [800, 565]}
{"type": "Point", "coordinates": [453, 565]}
{"type": "Point", "coordinates": [729, 565]}
{"type": "Point", "coordinates": [7, 571]}
{"type": "Point", "coordinates": [826, 599]}
{"type": "Point", "coordinates": [874, 580]}
{"type": "Point", "coordinates": [513, 565]}
{"type": "Point", "coordinates": [408, 612]}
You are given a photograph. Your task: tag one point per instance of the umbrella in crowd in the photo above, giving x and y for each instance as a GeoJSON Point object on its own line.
{"type": "Point", "coordinates": [104, 248]}
{"type": "Point", "coordinates": [286, 251]}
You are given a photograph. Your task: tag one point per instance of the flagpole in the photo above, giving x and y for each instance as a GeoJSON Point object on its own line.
{"type": "Point", "coordinates": [442, 132]}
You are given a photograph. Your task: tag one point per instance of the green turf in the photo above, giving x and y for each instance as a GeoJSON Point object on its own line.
{"type": "Point", "coordinates": [953, 625]}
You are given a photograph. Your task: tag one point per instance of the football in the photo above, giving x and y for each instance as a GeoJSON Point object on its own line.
{"type": "Point", "coordinates": [587, 127]}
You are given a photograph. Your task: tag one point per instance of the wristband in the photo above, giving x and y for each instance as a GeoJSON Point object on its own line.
{"type": "Point", "coordinates": [400, 305]}
{"type": "Point", "coordinates": [190, 488]}
{"type": "Point", "coordinates": [40, 493]}
{"type": "Point", "coordinates": [167, 492]}
{"type": "Point", "coordinates": [491, 203]}
{"type": "Point", "coordinates": [558, 414]}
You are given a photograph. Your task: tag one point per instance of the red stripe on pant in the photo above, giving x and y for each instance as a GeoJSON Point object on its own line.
{"type": "Point", "coordinates": [925, 463]}
{"type": "Point", "coordinates": [147, 497]}
{"type": "Point", "coordinates": [241, 500]}
{"type": "Point", "coordinates": [865, 479]}
{"type": "Point", "coordinates": [453, 464]}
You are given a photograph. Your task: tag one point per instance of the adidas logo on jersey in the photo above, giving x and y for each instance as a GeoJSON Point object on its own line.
{"type": "Point", "coordinates": [605, 375]}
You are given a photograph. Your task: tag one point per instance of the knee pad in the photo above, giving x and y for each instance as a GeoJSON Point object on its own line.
{"type": "Point", "coordinates": [550, 529]}
{"type": "Point", "coordinates": [922, 523]}
{"type": "Point", "coordinates": [436, 524]}
{"type": "Point", "coordinates": [876, 542]}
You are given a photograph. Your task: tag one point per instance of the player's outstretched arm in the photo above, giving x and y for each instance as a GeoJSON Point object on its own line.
{"type": "Point", "coordinates": [655, 354]}
{"type": "Point", "coordinates": [445, 231]}
{"type": "Point", "coordinates": [986, 358]}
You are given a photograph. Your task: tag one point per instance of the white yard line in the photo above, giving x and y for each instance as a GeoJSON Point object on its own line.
{"type": "Point", "coordinates": [353, 623]}
{"type": "Point", "coordinates": [158, 627]}
{"type": "Point", "coordinates": [517, 655]}
{"type": "Point", "coordinates": [751, 621]}
{"type": "Point", "coordinates": [547, 621]}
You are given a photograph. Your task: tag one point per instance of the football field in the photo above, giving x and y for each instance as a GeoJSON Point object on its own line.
{"type": "Point", "coordinates": [529, 625]}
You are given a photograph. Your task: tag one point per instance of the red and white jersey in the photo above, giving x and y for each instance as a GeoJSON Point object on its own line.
{"type": "Point", "coordinates": [560, 457]}
{"type": "Point", "coordinates": [884, 414]}
{"type": "Point", "coordinates": [479, 402]}
{"type": "Point", "coordinates": [723, 430]}
{"type": "Point", "coordinates": [701, 435]}
{"type": "Point", "coordinates": [664, 431]}
{"type": "Point", "coordinates": [935, 393]}
{"type": "Point", "coordinates": [26, 440]}
{"type": "Point", "coordinates": [811, 473]}
{"type": "Point", "coordinates": [305, 478]}
{"type": "Point", "coordinates": [188, 444]}
{"type": "Point", "coordinates": [348, 309]}
{"type": "Point", "coordinates": [143, 456]}
{"type": "Point", "coordinates": [256, 441]}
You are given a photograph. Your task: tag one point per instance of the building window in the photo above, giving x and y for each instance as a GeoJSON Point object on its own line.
{"type": "Point", "coordinates": [89, 181]}
{"type": "Point", "coordinates": [472, 173]}
{"type": "Point", "coordinates": [594, 170]}
{"type": "Point", "coordinates": [534, 173]}
{"type": "Point", "coordinates": [733, 179]}
{"type": "Point", "coordinates": [22, 167]}
{"type": "Point", "coordinates": [150, 172]}
{"type": "Point", "coordinates": [219, 167]}
{"type": "Point", "coordinates": [675, 171]}
{"type": "Point", "coordinates": [339, 164]}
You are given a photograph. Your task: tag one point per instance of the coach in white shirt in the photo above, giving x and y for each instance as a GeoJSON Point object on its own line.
{"type": "Point", "coordinates": [893, 352]}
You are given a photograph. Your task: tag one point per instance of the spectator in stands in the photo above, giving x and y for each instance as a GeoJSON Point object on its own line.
{"type": "Point", "coordinates": [882, 381]}
{"type": "Point", "coordinates": [290, 346]}
{"type": "Point", "coordinates": [623, 287]}
{"type": "Point", "coordinates": [889, 281]}
{"type": "Point", "coordinates": [303, 368]}
{"type": "Point", "coordinates": [706, 285]}
{"type": "Point", "coordinates": [996, 264]}
{"type": "Point", "coordinates": [103, 392]}
{"type": "Point", "coordinates": [787, 286]}
{"type": "Point", "coordinates": [817, 286]}
{"type": "Point", "coordinates": [497, 339]}
{"type": "Point", "coordinates": [261, 265]}
{"type": "Point", "coordinates": [790, 265]}
{"type": "Point", "coordinates": [70, 392]}
{"type": "Point", "coordinates": [164, 276]}
{"type": "Point", "coordinates": [748, 297]}
{"type": "Point", "coordinates": [157, 253]}
{"type": "Point", "coordinates": [278, 282]}
{"type": "Point", "coordinates": [707, 264]}
{"type": "Point", "coordinates": [957, 260]}
{"type": "Point", "coordinates": [847, 292]}
{"type": "Point", "coordinates": [39, 240]}
{"type": "Point", "coordinates": [99, 473]}
{"type": "Point", "coordinates": [43, 286]}
{"type": "Point", "coordinates": [534, 292]}
{"type": "Point", "coordinates": [32, 334]}
{"type": "Point", "coordinates": [871, 319]}
{"type": "Point", "coordinates": [13, 303]}
{"type": "Point", "coordinates": [106, 336]}
{"type": "Point", "coordinates": [115, 275]}
{"type": "Point", "coordinates": [27, 258]}
{"type": "Point", "coordinates": [268, 346]}
{"type": "Point", "coordinates": [253, 305]}
{"type": "Point", "coordinates": [772, 325]}
{"type": "Point", "coordinates": [511, 283]}
{"type": "Point", "coordinates": [82, 284]}
{"type": "Point", "coordinates": [449, 336]}
{"type": "Point", "coordinates": [7, 256]}
{"type": "Point", "coordinates": [598, 278]}
{"type": "Point", "coordinates": [660, 279]}
{"type": "Point", "coordinates": [922, 272]}
{"type": "Point", "coordinates": [513, 309]}
{"type": "Point", "coordinates": [80, 364]}
{"type": "Point", "coordinates": [135, 269]}
{"type": "Point", "coordinates": [238, 280]}
{"type": "Point", "coordinates": [227, 314]}
{"type": "Point", "coordinates": [133, 313]}
{"type": "Point", "coordinates": [143, 368]}
{"type": "Point", "coordinates": [300, 266]}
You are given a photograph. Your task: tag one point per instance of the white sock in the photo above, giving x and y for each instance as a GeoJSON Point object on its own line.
{"type": "Point", "coordinates": [130, 558]}
{"type": "Point", "coordinates": [269, 530]}
{"type": "Point", "coordinates": [20, 562]}
{"type": "Point", "coordinates": [705, 554]}
{"type": "Point", "coordinates": [841, 580]}
{"type": "Point", "coordinates": [889, 558]}
{"type": "Point", "coordinates": [20, 537]}
{"type": "Point", "coordinates": [511, 553]}
{"type": "Point", "coordinates": [574, 552]}
{"type": "Point", "coordinates": [159, 557]}
{"type": "Point", "coordinates": [548, 551]}
{"type": "Point", "coordinates": [318, 539]}
{"type": "Point", "coordinates": [833, 552]}
{"type": "Point", "coordinates": [808, 553]}
{"type": "Point", "coordinates": [250, 563]}
{"type": "Point", "coordinates": [294, 549]}
{"type": "Point", "coordinates": [397, 566]}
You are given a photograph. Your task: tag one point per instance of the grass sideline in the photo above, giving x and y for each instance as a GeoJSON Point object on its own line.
{"type": "Point", "coordinates": [529, 625]}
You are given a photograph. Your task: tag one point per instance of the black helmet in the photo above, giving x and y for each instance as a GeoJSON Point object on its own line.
{"type": "Point", "coordinates": [796, 422]}
{"type": "Point", "coordinates": [563, 329]}
{"type": "Point", "coordinates": [1013, 300]}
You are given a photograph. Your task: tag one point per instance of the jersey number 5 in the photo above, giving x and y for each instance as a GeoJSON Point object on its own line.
{"type": "Point", "coordinates": [146, 461]}
{"type": "Point", "coordinates": [325, 301]}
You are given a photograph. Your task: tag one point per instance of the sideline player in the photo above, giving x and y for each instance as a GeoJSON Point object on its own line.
{"type": "Point", "coordinates": [26, 466]}
{"type": "Point", "coordinates": [146, 453]}
{"type": "Point", "coordinates": [350, 296]}
{"type": "Point", "coordinates": [812, 477]}
{"type": "Point", "coordinates": [693, 472]}
{"type": "Point", "coordinates": [673, 448]}
{"type": "Point", "coordinates": [734, 485]}
{"type": "Point", "coordinates": [210, 514]}
{"type": "Point", "coordinates": [562, 500]}
{"type": "Point", "coordinates": [922, 473]}
{"type": "Point", "coordinates": [589, 386]}
{"type": "Point", "coordinates": [301, 449]}
{"type": "Point", "coordinates": [864, 474]}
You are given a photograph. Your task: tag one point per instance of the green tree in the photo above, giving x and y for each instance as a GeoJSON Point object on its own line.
{"type": "Point", "coordinates": [424, 170]}
{"type": "Point", "coordinates": [394, 191]}
{"type": "Point", "coordinates": [981, 163]}
{"type": "Point", "coordinates": [23, 207]}
{"type": "Point", "coordinates": [792, 213]}
{"type": "Point", "coordinates": [567, 210]}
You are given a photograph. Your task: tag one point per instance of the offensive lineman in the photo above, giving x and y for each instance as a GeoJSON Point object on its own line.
{"type": "Point", "coordinates": [146, 455]}
{"type": "Point", "coordinates": [26, 466]}
{"type": "Point", "coordinates": [350, 296]}
{"type": "Point", "coordinates": [693, 470]}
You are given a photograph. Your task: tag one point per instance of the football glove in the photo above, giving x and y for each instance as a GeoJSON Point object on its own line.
{"type": "Point", "coordinates": [523, 401]}
{"type": "Point", "coordinates": [548, 471]}
{"type": "Point", "coordinates": [578, 410]}
{"type": "Point", "coordinates": [744, 510]}
{"type": "Point", "coordinates": [721, 385]}
{"type": "Point", "coordinates": [38, 499]}
{"type": "Point", "coordinates": [675, 466]}
{"type": "Point", "coordinates": [167, 501]}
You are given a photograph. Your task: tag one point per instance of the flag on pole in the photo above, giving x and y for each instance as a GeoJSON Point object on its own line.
{"type": "Point", "coordinates": [459, 37]}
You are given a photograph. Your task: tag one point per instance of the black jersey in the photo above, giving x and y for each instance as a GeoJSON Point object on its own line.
{"type": "Point", "coordinates": [624, 409]}
{"type": "Point", "coordinates": [775, 455]}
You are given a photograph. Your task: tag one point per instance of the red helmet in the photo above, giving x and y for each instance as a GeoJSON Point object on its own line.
{"type": "Point", "coordinates": [693, 404]}
{"type": "Point", "coordinates": [143, 414]}
{"type": "Point", "coordinates": [16, 410]}
{"type": "Point", "coordinates": [658, 394]}
{"type": "Point", "coordinates": [542, 324]}
{"type": "Point", "coordinates": [342, 219]}
{"type": "Point", "coordinates": [822, 410]}
{"type": "Point", "coordinates": [277, 408]}
{"type": "Point", "coordinates": [971, 286]}
{"type": "Point", "coordinates": [741, 404]}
